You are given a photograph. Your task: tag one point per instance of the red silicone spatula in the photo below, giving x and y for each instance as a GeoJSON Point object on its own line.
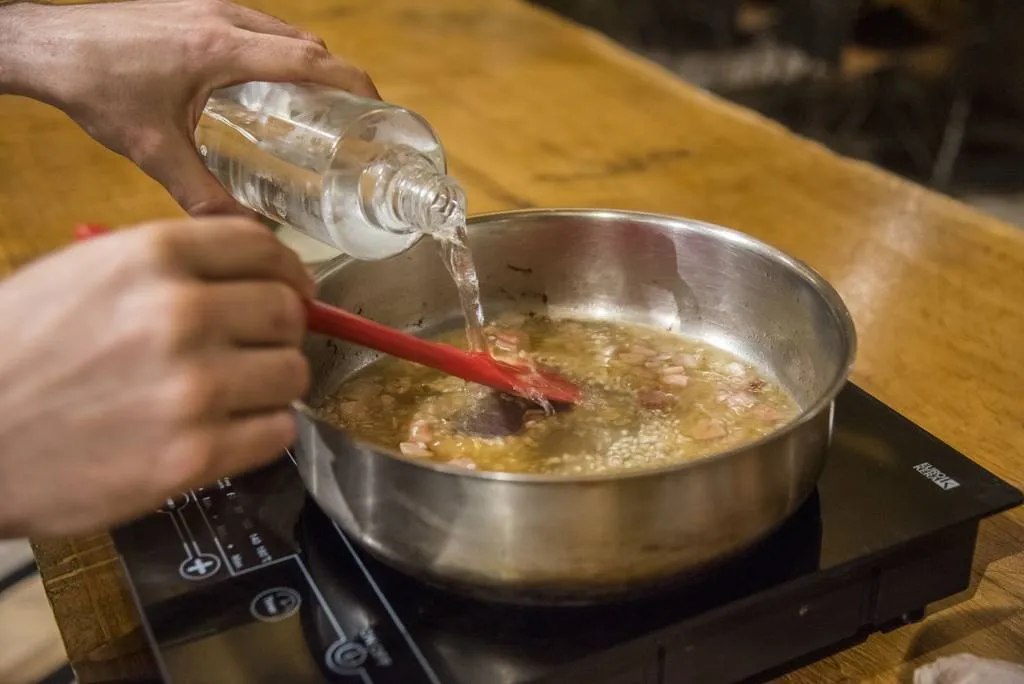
{"type": "Point", "coordinates": [478, 367]}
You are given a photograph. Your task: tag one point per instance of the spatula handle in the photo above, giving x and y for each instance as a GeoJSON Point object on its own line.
{"type": "Point", "coordinates": [329, 320]}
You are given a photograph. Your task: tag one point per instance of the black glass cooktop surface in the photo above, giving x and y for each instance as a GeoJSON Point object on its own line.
{"type": "Point", "coordinates": [248, 581]}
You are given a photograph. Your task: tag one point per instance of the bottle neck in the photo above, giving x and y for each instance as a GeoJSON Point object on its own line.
{"type": "Point", "coordinates": [403, 192]}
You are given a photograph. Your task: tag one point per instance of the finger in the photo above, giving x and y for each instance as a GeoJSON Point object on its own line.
{"type": "Point", "coordinates": [174, 163]}
{"type": "Point", "coordinates": [259, 22]}
{"type": "Point", "coordinates": [232, 248]}
{"type": "Point", "coordinates": [243, 381]}
{"type": "Point", "coordinates": [240, 444]}
{"type": "Point", "coordinates": [257, 313]}
{"type": "Point", "coordinates": [279, 59]}
{"type": "Point", "coordinates": [251, 441]}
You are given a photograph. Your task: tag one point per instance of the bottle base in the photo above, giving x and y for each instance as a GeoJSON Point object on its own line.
{"type": "Point", "coordinates": [310, 251]}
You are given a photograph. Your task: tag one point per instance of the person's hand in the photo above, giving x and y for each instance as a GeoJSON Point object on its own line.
{"type": "Point", "coordinates": [141, 363]}
{"type": "Point", "coordinates": [136, 75]}
{"type": "Point", "coordinates": [964, 668]}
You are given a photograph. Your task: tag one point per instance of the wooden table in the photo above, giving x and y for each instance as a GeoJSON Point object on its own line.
{"type": "Point", "coordinates": [536, 112]}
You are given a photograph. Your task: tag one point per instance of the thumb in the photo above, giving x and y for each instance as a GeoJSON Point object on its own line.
{"type": "Point", "coordinates": [177, 165]}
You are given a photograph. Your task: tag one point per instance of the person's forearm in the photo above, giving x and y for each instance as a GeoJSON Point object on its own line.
{"type": "Point", "coordinates": [12, 31]}
{"type": "Point", "coordinates": [15, 27]}
{"type": "Point", "coordinates": [26, 49]}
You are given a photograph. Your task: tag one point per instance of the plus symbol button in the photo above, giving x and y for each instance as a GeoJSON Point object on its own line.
{"type": "Point", "coordinates": [200, 567]}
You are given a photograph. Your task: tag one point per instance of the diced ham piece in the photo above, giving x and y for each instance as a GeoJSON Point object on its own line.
{"type": "Point", "coordinates": [707, 429]}
{"type": "Point", "coordinates": [503, 346]}
{"type": "Point", "coordinates": [506, 338]}
{"type": "Point", "coordinates": [507, 357]}
{"type": "Point", "coordinates": [506, 345]}
{"type": "Point", "coordinates": [415, 450]}
{"type": "Point", "coordinates": [655, 399]}
{"type": "Point", "coordinates": [735, 369]}
{"type": "Point", "coordinates": [675, 379]}
{"type": "Point", "coordinates": [737, 400]}
{"type": "Point", "coordinates": [756, 385]}
{"type": "Point", "coordinates": [641, 349]}
{"type": "Point", "coordinates": [766, 412]}
{"type": "Point", "coordinates": [687, 360]}
{"type": "Point", "coordinates": [421, 431]}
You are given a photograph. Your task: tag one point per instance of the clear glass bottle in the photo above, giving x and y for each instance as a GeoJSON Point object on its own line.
{"type": "Point", "coordinates": [360, 175]}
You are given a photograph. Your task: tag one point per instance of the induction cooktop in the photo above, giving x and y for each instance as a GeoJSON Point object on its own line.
{"type": "Point", "coordinates": [249, 581]}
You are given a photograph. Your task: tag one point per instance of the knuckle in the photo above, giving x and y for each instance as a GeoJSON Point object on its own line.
{"type": "Point", "coordinates": [363, 80]}
{"type": "Point", "coordinates": [281, 436]}
{"type": "Point", "coordinates": [251, 233]}
{"type": "Point", "coordinates": [189, 459]}
{"type": "Point", "coordinates": [183, 317]}
{"type": "Point", "coordinates": [267, 250]}
{"type": "Point", "coordinates": [359, 81]}
{"type": "Point", "coordinates": [313, 38]}
{"type": "Point", "coordinates": [277, 432]}
{"type": "Point", "coordinates": [207, 8]}
{"type": "Point", "coordinates": [194, 395]}
{"type": "Point", "coordinates": [297, 373]}
{"type": "Point", "coordinates": [159, 244]}
{"type": "Point", "coordinates": [289, 314]}
{"type": "Point", "coordinates": [240, 227]}
{"type": "Point", "coordinates": [312, 54]}
{"type": "Point", "coordinates": [260, 235]}
{"type": "Point", "coordinates": [213, 38]}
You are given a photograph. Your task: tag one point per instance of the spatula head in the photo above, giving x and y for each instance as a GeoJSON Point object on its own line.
{"type": "Point", "coordinates": [500, 415]}
{"type": "Point", "coordinates": [533, 383]}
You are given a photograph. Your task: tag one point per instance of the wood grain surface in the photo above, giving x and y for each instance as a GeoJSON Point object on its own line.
{"type": "Point", "coordinates": [537, 112]}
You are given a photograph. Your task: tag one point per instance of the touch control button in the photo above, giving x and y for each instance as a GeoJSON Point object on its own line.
{"type": "Point", "coordinates": [345, 657]}
{"type": "Point", "coordinates": [173, 503]}
{"type": "Point", "coordinates": [199, 567]}
{"type": "Point", "coordinates": [275, 604]}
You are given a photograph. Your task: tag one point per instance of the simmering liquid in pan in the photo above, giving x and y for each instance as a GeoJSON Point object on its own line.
{"type": "Point", "coordinates": [651, 399]}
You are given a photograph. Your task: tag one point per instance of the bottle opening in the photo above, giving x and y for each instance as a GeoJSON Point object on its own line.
{"type": "Point", "coordinates": [404, 192]}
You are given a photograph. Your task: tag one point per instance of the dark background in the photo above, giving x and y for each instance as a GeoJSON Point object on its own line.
{"type": "Point", "coordinates": [930, 89]}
